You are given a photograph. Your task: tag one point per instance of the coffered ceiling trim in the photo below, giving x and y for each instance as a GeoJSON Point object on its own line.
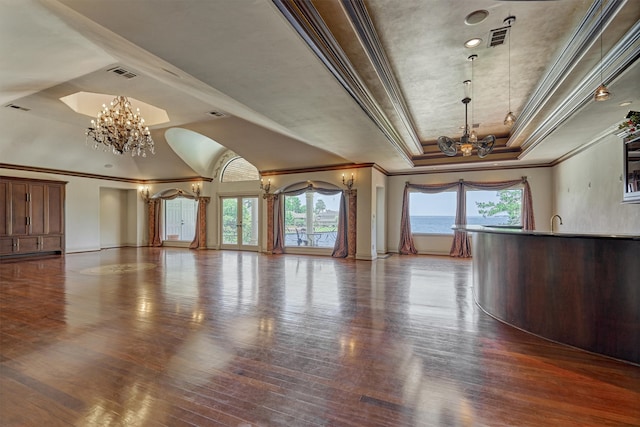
{"type": "Point", "coordinates": [582, 38]}
{"type": "Point", "coordinates": [368, 37]}
{"type": "Point", "coordinates": [306, 20]}
{"type": "Point", "coordinates": [617, 60]}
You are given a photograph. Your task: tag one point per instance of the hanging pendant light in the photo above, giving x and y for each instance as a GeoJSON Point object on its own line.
{"type": "Point", "coordinates": [601, 93]}
{"type": "Point", "coordinates": [510, 118]}
{"type": "Point", "coordinates": [468, 142]}
{"type": "Point", "coordinates": [473, 136]}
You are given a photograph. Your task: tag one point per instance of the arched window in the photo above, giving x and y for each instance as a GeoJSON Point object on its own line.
{"type": "Point", "coordinates": [238, 169]}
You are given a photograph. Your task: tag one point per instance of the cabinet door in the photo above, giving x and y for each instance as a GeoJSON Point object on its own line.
{"type": "Point", "coordinates": [28, 244]}
{"type": "Point", "coordinates": [51, 243]}
{"type": "Point", "coordinates": [19, 208]}
{"type": "Point", "coordinates": [6, 245]}
{"type": "Point", "coordinates": [56, 209]}
{"type": "Point", "coordinates": [5, 207]}
{"type": "Point", "coordinates": [38, 211]}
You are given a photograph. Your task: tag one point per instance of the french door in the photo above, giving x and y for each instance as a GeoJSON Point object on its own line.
{"type": "Point", "coordinates": [240, 223]}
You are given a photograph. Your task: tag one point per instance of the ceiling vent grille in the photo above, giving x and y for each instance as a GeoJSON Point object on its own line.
{"type": "Point", "coordinates": [217, 114]}
{"type": "Point", "coordinates": [498, 36]}
{"type": "Point", "coordinates": [122, 72]}
{"type": "Point", "coordinates": [17, 107]}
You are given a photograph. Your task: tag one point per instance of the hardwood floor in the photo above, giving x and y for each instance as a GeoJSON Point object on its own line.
{"type": "Point", "coordinates": [176, 337]}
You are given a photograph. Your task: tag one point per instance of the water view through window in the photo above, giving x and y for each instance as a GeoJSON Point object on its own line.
{"type": "Point", "coordinates": [436, 213]}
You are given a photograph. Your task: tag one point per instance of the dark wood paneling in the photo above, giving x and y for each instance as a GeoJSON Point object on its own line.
{"type": "Point", "coordinates": [19, 208]}
{"type": "Point", "coordinates": [582, 291]}
{"type": "Point", "coordinates": [37, 213]}
{"type": "Point", "coordinates": [6, 245]}
{"type": "Point", "coordinates": [51, 243]}
{"type": "Point", "coordinates": [56, 209]}
{"type": "Point", "coordinates": [5, 207]}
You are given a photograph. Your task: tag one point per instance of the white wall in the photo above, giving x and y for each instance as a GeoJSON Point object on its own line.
{"type": "Point", "coordinates": [588, 191]}
{"type": "Point", "coordinates": [540, 181]}
{"type": "Point", "coordinates": [115, 218]}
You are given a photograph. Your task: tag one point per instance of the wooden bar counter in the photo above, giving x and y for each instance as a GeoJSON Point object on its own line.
{"type": "Point", "coordinates": [580, 290]}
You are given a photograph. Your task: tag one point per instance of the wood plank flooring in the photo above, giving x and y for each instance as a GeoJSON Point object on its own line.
{"type": "Point", "coordinates": [176, 337]}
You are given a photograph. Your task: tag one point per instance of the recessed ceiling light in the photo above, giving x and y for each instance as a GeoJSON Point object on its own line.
{"type": "Point", "coordinates": [476, 17]}
{"type": "Point", "coordinates": [625, 103]}
{"type": "Point", "coordinates": [471, 43]}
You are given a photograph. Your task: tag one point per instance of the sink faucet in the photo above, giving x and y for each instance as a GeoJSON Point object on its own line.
{"type": "Point", "coordinates": [552, 218]}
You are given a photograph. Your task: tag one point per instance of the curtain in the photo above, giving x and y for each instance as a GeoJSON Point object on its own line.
{"type": "Point", "coordinates": [195, 243]}
{"type": "Point", "coordinates": [461, 245]}
{"type": "Point", "coordinates": [200, 238]}
{"type": "Point", "coordinates": [156, 226]}
{"type": "Point", "coordinates": [406, 245]}
{"type": "Point", "coordinates": [278, 225]}
{"type": "Point", "coordinates": [341, 248]}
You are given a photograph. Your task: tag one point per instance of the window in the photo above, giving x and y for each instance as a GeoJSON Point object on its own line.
{"type": "Point", "coordinates": [311, 219]}
{"type": "Point", "coordinates": [503, 207]}
{"type": "Point", "coordinates": [432, 213]}
{"type": "Point", "coordinates": [179, 219]}
{"type": "Point", "coordinates": [239, 169]}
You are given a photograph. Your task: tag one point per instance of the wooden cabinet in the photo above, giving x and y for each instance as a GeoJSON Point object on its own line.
{"type": "Point", "coordinates": [31, 216]}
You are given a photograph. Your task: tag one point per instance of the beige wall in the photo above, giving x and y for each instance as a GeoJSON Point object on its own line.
{"type": "Point", "coordinates": [563, 189]}
{"type": "Point", "coordinates": [587, 192]}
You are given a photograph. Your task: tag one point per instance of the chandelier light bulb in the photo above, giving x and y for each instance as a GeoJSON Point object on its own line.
{"type": "Point", "coordinates": [473, 136]}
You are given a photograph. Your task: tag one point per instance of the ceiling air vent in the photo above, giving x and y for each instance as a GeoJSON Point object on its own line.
{"type": "Point", "coordinates": [498, 36]}
{"type": "Point", "coordinates": [217, 114]}
{"type": "Point", "coordinates": [122, 72]}
{"type": "Point", "coordinates": [17, 107]}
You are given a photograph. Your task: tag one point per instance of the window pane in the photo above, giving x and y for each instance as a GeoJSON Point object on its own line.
{"type": "Point", "coordinates": [239, 169]}
{"type": "Point", "coordinates": [229, 221]}
{"type": "Point", "coordinates": [311, 219]}
{"type": "Point", "coordinates": [432, 213]}
{"type": "Point", "coordinates": [250, 221]}
{"type": "Point", "coordinates": [502, 207]}
{"type": "Point", "coordinates": [179, 219]}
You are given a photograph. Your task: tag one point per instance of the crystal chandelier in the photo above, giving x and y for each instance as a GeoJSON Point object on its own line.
{"type": "Point", "coordinates": [118, 127]}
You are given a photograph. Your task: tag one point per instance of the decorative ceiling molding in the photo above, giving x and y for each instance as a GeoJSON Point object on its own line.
{"type": "Point", "coordinates": [306, 20]}
{"type": "Point", "coordinates": [368, 37]}
{"type": "Point", "coordinates": [582, 38]}
{"type": "Point", "coordinates": [617, 60]}
{"type": "Point", "coordinates": [101, 177]}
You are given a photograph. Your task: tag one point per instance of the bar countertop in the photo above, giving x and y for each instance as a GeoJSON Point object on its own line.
{"type": "Point", "coordinates": [515, 230]}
